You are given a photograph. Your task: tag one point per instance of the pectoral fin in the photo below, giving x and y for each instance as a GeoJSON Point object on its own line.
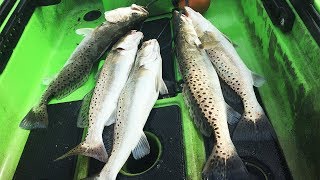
{"type": "Point", "coordinates": [46, 81]}
{"type": "Point", "coordinates": [84, 31]}
{"type": "Point", "coordinates": [208, 40]}
{"type": "Point", "coordinates": [234, 44]}
{"type": "Point", "coordinates": [258, 80]}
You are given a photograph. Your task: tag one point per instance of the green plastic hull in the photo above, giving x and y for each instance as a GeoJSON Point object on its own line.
{"type": "Point", "coordinates": [289, 62]}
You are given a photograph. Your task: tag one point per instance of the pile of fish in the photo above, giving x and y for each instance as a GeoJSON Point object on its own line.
{"type": "Point", "coordinates": [205, 55]}
{"type": "Point", "coordinates": [127, 88]}
{"type": "Point", "coordinates": [130, 81]}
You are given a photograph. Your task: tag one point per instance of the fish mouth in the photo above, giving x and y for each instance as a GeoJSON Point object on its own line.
{"type": "Point", "coordinates": [151, 47]}
{"type": "Point", "coordinates": [178, 17]}
{"type": "Point", "coordinates": [153, 43]}
{"type": "Point", "coordinates": [135, 32]}
{"type": "Point", "coordinates": [142, 9]}
{"type": "Point", "coordinates": [178, 14]}
{"type": "Point", "coordinates": [187, 10]}
{"type": "Point", "coordinates": [190, 12]}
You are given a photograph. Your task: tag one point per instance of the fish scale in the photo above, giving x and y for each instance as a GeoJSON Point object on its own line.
{"type": "Point", "coordinates": [135, 103]}
{"type": "Point", "coordinates": [254, 124]}
{"type": "Point", "coordinates": [103, 102]}
{"type": "Point", "coordinates": [206, 103]}
{"type": "Point", "coordinates": [77, 69]}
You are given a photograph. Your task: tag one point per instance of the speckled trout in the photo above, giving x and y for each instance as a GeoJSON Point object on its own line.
{"type": "Point", "coordinates": [134, 106]}
{"type": "Point", "coordinates": [254, 125]}
{"type": "Point", "coordinates": [113, 77]}
{"type": "Point", "coordinates": [77, 69]}
{"type": "Point", "coordinates": [204, 97]}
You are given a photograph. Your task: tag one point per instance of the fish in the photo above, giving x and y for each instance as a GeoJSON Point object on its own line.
{"type": "Point", "coordinates": [135, 103]}
{"type": "Point", "coordinates": [254, 124]}
{"type": "Point", "coordinates": [77, 69]}
{"type": "Point", "coordinates": [112, 79]}
{"type": "Point", "coordinates": [203, 96]}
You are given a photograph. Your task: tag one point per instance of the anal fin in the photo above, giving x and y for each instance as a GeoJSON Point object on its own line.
{"type": "Point", "coordinates": [195, 114]}
{"type": "Point", "coordinates": [83, 118]}
{"type": "Point", "coordinates": [233, 116]}
{"type": "Point", "coordinates": [142, 149]}
{"type": "Point", "coordinates": [162, 87]}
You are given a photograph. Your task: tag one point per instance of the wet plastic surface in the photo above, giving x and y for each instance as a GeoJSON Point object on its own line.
{"type": "Point", "coordinates": [288, 62]}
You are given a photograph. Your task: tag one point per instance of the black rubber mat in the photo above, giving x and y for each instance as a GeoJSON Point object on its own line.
{"type": "Point", "coordinates": [264, 159]}
{"type": "Point", "coordinates": [161, 29]}
{"type": "Point", "coordinates": [165, 123]}
{"type": "Point", "coordinates": [44, 146]}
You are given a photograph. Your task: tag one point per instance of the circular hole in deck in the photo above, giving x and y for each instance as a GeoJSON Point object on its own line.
{"type": "Point", "coordinates": [257, 170]}
{"type": "Point", "coordinates": [92, 15]}
{"type": "Point", "coordinates": [135, 167]}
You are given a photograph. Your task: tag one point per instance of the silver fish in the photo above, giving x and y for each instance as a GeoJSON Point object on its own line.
{"type": "Point", "coordinates": [112, 79]}
{"type": "Point", "coordinates": [203, 95]}
{"type": "Point", "coordinates": [135, 103]}
{"type": "Point", "coordinates": [254, 125]}
{"type": "Point", "coordinates": [77, 69]}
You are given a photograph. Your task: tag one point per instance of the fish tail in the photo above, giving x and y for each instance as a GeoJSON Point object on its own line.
{"type": "Point", "coordinates": [254, 126]}
{"type": "Point", "coordinates": [229, 166]}
{"type": "Point", "coordinates": [89, 149]}
{"type": "Point", "coordinates": [36, 118]}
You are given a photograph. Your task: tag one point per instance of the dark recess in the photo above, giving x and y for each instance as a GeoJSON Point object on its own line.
{"type": "Point", "coordinates": [13, 30]}
{"type": "Point", "coordinates": [5, 8]}
{"type": "Point", "coordinates": [280, 14]}
{"type": "Point", "coordinates": [92, 15]}
{"type": "Point", "coordinates": [310, 17]}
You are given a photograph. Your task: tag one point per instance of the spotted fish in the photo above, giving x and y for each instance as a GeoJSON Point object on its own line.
{"type": "Point", "coordinates": [77, 69]}
{"type": "Point", "coordinates": [112, 79]}
{"type": "Point", "coordinates": [135, 103]}
{"type": "Point", "coordinates": [254, 125]}
{"type": "Point", "coordinates": [204, 97]}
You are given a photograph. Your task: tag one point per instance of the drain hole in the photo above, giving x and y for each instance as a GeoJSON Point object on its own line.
{"type": "Point", "coordinates": [92, 15]}
{"type": "Point", "coordinates": [257, 170]}
{"type": "Point", "coordinates": [135, 167]}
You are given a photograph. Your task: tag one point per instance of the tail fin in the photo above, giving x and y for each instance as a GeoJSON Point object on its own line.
{"type": "Point", "coordinates": [96, 151]}
{"type": "Point", "coordinates": [221, 166]}
{"type": "Point", "coordinates": [253, 127]}
{"type": "Point", "coordinates": [36, 118]}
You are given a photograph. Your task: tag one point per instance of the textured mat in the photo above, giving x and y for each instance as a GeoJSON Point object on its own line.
{"type": "Point", "coordinates": [44, 146]}
{"type": "Point", "coordinates": [165, 123]}
{"type": "Point", "coordinates": [264, 159]}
